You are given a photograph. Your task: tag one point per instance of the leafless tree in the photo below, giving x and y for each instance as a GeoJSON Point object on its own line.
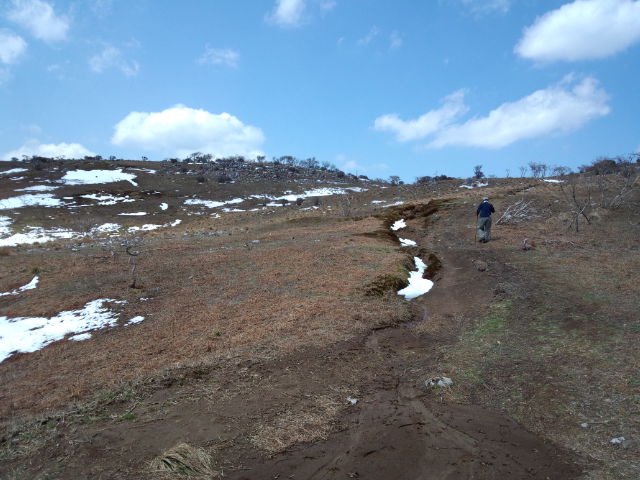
{"type": "Point", "coordinates": [133, 248]}
{"type": "Point", "coordinates": [578, 202]}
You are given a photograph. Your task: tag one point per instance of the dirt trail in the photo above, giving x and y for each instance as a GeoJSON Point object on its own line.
{"type": "Point", "coordinates": [401, 430]}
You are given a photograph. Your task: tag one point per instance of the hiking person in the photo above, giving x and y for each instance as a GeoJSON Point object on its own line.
{"type": "Point", "coordinates": [483, 214]}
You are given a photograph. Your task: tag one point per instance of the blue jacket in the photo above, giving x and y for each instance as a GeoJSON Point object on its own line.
{"type": "Point", "coordinates": [485, 209]}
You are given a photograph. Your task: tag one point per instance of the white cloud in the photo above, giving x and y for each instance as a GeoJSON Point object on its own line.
{"type": "Point", "coordinates": [395, 40]}
{"type": "Point", "coordinates": [181, 130]}
{"type": "Point", "coordinates": [287, 13]}
{"type": "Point", "coordinates": [111, 57]}
{"type": "Point", "coordinates": [51, 150]}
{"type": "Point", "coordinates": [368, 38]}
{"type": "Point", "coordinates": [328, 5]}
{"type": "Point", "coordinates": [584, 29]}
{"type": "Point", "coordinates": [220, 56]}
{"type": "Point", "coordinates": [487, 6]}
{"type": "Point", "coordinates": [12, 47]}
{"type": "Point", "coordinates": [39, 19]}
{"type": "Point", "coordinates": [427, 124]}
{"type": "Point", "coordinates": [558, 109]}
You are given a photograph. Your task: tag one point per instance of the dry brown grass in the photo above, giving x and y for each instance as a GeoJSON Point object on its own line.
{"type": "Point", "coordinates": [301, 424]}
{"type": "Point", "coordinates": [185, 460]}
{"type": "Point", "coordinates": [209, 296]}
{"type": "Point", "coordinates": [558, 346]}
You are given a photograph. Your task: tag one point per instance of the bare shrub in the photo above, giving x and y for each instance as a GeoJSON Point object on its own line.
{"type": "Point", "coordinates": [578, 199]}
{"type": "Point", "coordinates": [613, 192]}
{"type": "Point", "coordinates": [346, 205]}
{"type": "Point", "coordinates": [520, 211]}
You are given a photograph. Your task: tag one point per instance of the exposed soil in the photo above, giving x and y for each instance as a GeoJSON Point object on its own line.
{"type": "Point", "coordinates": [253, 350]}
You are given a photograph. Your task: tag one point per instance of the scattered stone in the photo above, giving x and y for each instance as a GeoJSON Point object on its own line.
{"type": "Point", "coordinates": [480, 265]}
{"type": "Point", "coordinates": [439, 382]}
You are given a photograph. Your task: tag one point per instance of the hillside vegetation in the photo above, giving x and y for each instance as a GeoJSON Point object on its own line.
{"type": "Point", "coordinates": [255, 331]}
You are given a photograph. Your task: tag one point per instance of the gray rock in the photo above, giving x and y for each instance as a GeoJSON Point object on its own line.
{"type": "Point", "coordinates": [481, 265]}
{"type": "Point", "coordinates": [629, 444]}
{"type": "Point", "coordinates": [439, 382]}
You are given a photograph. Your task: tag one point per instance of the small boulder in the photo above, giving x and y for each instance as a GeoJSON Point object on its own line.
{"type": "Point", "coordinates": [438, 382]}
{"type": "Point", "coordinates": [481, 265]}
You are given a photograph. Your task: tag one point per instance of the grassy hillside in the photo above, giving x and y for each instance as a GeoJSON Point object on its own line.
{"type": "Point", "coordinates": [273, 341]}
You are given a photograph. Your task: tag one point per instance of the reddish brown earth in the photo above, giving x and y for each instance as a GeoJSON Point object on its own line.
{"type": "Point", "coordinates": [266, 398]}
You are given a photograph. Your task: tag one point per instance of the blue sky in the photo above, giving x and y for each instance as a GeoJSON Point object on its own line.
{"type": "Point", "coordinates": [376, 87]}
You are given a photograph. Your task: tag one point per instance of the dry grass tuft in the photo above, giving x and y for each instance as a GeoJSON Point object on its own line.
{"type": "Point", "coordinates": [185, 459]}
{"type": "Point", "coordinates": [295, 426]}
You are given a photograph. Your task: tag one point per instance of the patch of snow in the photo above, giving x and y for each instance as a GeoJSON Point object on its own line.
{"type": "Point", "coordinates": [405, 242]}
{"type": "Point", "coordinates": [552, 180]}
{"type": "Point", "coordinates": [163, 206]}
{"type": "Point", "coordinates": [36, 235]}
{"type": "Point", "coordinates": [106, 227]}
{"type": "Point", "coordinates": [29, 286]}
{"type": "Point", "coordinates": [80, 337]}
{"type": "Point", "coordinates": [133, 214]}
{"type": "Point", "coordinates": [13, 170]}
{"type": "Point", "coordinates": [175, 223]}
{"type": "Point", "coordinates": [417, 285]}
{"type": "Point", "coordinates": [319, 192]}
{"type": "Point", "coordinates": [394, 204]}
{"type": "Point", "coordinates": [474, 185]}
{"type": "Point", "coordinates": [135, 320]}
{"type": "Point", "coordinates": [37, 188]}
{"type": "Point", "coordinates": [15, 179]}
{"type": "Point", "coordinates": [398, 224]}
{"type": "Point", "coordinates": [377, 201]}
{"type": "Point", "coordinates": [206, 203]}
{"type": "Point", "coordinates": [145, 228]}
{"type": "Point", "coordinates": [617, 440]}
{"type": "Point", "coordinates": [28, 334]}
{"type": "Point", "coordinates": [231, 210]}
{"type": "Point", "coordinates": [42, 199]}
{"type": "Point", "coordinates": [86, 177]}
{"type": "Point", "coordinates": [108, 199]}
{"type": "Point", "coordinates": [146, 170]}
{"type": "Point", "coordinates": [352, 400]}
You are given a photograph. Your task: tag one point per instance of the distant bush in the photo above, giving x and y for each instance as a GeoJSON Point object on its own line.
{"type": "Point", "coordinates": [427, 180]}
{"type": "Point", "coordinates": [201, 179]}
{"type": "Point", "coordinates": [610, 165]}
